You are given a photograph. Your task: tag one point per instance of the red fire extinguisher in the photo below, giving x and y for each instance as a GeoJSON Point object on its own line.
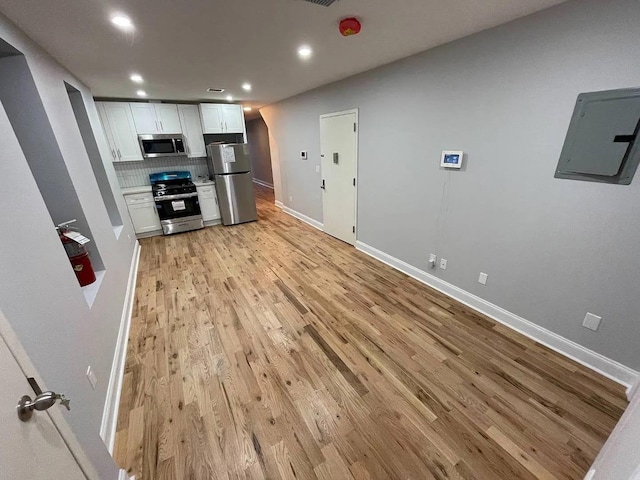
{"type": "Point", "coordinates": [74, 245]}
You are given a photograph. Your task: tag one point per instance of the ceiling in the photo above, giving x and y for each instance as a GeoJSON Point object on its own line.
{"type": "Point", "coordinates": [183, 47]}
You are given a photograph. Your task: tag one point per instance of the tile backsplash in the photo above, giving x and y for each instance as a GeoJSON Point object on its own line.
{"type": "Point", "coordinates": [135, 174]}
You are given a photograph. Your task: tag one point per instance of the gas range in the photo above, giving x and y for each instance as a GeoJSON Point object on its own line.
{"type": "Point", "coordinates": [177, 202]}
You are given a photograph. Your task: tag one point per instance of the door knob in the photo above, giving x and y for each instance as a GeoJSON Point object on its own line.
{"type": "Point", "coordinates": [42, 402]}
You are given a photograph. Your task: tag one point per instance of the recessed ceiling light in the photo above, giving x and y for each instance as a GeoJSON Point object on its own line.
{"type": "Point", "coordinates": [305, 52]}
{"type": "Point", "coordinates": [229, 98]}
{"type": "Point", "coordinates": [136, 78]}
{"type": "Point", "coordinates": [246, 87]}
{"type": "Point", "coordinates": [122, 22]}
{"type": "Point", "coordinates": [141, 93]}
{"type": "Point", "coordinates": [247, 109]}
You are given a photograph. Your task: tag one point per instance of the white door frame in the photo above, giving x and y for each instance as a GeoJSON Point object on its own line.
{"type": "Point", "coordinates": [61, 425]}
{"type": "Point", "coordinates": [337, 114]}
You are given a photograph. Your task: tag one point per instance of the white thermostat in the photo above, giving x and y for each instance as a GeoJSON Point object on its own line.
{"type": "Point", "coordinates": [451, 159]}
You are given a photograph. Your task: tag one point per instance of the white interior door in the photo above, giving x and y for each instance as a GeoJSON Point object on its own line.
{"type": "Point", "coordinates": [339, 152]}
{"type": "Point", "coordinates": [32, 449]}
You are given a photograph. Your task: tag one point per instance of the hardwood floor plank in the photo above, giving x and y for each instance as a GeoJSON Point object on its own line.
{"type": "Point", "coordinates": [272, 351]}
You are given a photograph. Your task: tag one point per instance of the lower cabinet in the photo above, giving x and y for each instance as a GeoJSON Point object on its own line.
{"type": "Point", "coordinates": [208, 202]}
{"type": "Point", "coordinates": [143, 213]}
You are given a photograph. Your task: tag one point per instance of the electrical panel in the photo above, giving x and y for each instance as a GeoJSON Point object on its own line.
{"type": "Point", "coordinates": [601, 142]}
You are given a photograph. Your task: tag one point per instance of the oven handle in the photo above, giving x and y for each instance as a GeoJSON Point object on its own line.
{"type": "Point", "coordinates": [176, 197]}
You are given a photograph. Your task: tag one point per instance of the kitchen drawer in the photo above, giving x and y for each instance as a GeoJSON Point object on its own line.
{"type": "Point", "coordinates": [138, 198]}
{"type": "Point", "coordinates": [206, 192]}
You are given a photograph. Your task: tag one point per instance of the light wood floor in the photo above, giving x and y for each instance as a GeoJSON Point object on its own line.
{"type": "Point", "coordinates": [271, 350]}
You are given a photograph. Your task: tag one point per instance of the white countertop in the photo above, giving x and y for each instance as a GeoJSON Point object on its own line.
{"type": "Point", "coordinates": [206, 183]}
{"type": "Point", "coordinates": [140, 189]}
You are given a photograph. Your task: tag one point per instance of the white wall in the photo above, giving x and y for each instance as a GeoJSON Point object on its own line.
{"type": "Point", "coordinates": [619, 459]}
{"type": "Point", "coordinates": [554, 249]}
{"type": "Point", "coordinates": [39, 293]}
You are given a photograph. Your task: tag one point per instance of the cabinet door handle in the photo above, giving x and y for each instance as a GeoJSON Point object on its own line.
{"type": "Point", "coordinates": [157, 126]}
{"type": "Point", "coordinates": [119, 156]}
{"type": "Point", "coordinates": [221, 126]}
{"type": "Point", "coordinates": [161, 126]}
{"type": "Point", "coordinates": [113, 153]}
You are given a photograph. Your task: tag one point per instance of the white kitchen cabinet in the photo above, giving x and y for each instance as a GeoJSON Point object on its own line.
{"type": "Point", "coordinates": [221, 118]}
{"type": "Point", "coordinates": [168, 117]}
{"type": "Point", "coordinates": [120, 130]}
{"type": "Point", "coordinates": [153, 118]}
{"type": "Point", "coordinates": [211, 114]}
{"type": "Point", "coordinates": [233, 118]}
{"type": "Point", "coordinates": [208, 202]}
{"type": "Point", "coordinates": [143, 213]}
{"type": "Point", "coordinates": [192, 130]}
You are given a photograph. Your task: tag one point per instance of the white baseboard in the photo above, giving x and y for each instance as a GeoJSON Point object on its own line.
{"type": "Point", "coordinates": [279, 204]}
{"type": "Point", "coordinates": [304, 218]}
{"type": "Point", "coordinates": [631, 392]}
{"type": "Point", "coordinates": [593, 360]}
{"type": "Point", "coordinates": [112, 403]}
{"type": "Point", "coordinates": [264, 184]}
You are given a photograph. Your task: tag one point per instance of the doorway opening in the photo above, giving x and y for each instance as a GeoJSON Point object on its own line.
{"type": "Point", "coordinates": [260, 151]}
{"type": "Point", "coordinates": [339, 161]}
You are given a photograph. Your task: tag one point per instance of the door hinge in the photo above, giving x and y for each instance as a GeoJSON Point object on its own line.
{"type": "Point", "coordinates": [354, 126]}
{"type": "Point", "coordinates": [354, 182]}
{"type": "Point", "coordinates": [354, 229]}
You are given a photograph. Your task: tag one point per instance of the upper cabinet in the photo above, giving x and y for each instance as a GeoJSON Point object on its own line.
{"type": "Point", "coordinates": [192, 130]}
{"type": "Point", "coordinates": [211, 118]}
{"type": "Point", "coordinates": [120, 131]}
{"type": "Point", "coordinates": [221, 118]}
{"type": "Point", "coordinates": [152, 118]}
{"type": "Point", "coordinates": [233, 118]}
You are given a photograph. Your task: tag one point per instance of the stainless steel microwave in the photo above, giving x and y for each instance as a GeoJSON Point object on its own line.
{"type": "Point", "coordinates": [154, 146]}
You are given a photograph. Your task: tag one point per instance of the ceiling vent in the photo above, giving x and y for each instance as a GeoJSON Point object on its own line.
{"type": "Point", "coordinates": [324, 3]}
{"type": "Point", "coordinates": [215, 90]}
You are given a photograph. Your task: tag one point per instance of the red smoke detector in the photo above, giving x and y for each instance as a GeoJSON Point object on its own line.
{"type": "Point", "coordinates": [350, 26]}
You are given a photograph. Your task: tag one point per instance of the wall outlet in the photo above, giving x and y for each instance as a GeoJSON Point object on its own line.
{"type": "Point", "coordinates": [303, 155]}
{"type": "Point", "coordinates": [443, 263]}
{"type": "Point", "coordinates": [591, 321]}
{"type": "Point", "coordinates": [483, 278]}
{"type": "Point", "coordinates": [317, 168]}
{"type": "Point", "coordinates": [92, 377]}
{"type": "Point", "coordinates": [432, 260]}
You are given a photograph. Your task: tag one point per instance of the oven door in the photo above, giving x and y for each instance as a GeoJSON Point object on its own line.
{"type": "Point", "coordinates": [178, 206]}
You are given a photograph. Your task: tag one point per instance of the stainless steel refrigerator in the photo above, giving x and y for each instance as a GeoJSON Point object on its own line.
{"type": "Point", "coordinates": [231, 169]}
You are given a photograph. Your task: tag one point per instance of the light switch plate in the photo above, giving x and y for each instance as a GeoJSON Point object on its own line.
{"type": "Point", "coordinates": [91, 376]}
{"type": "Point", "coordinates": [591, 321]}
{"type": "Point", "coordinates": [443, 263]}
{"type": "Point", "coordinates": [483, 278]}
{"type": "Point", "coordinates": [304, 155]}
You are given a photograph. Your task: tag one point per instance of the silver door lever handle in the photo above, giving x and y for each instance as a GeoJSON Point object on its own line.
{"type": "Point", "coordinates": [42, 402]}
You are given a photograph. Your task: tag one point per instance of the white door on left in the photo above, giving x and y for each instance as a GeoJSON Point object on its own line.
{"type": "Point", "coordinates": [33, 449]}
